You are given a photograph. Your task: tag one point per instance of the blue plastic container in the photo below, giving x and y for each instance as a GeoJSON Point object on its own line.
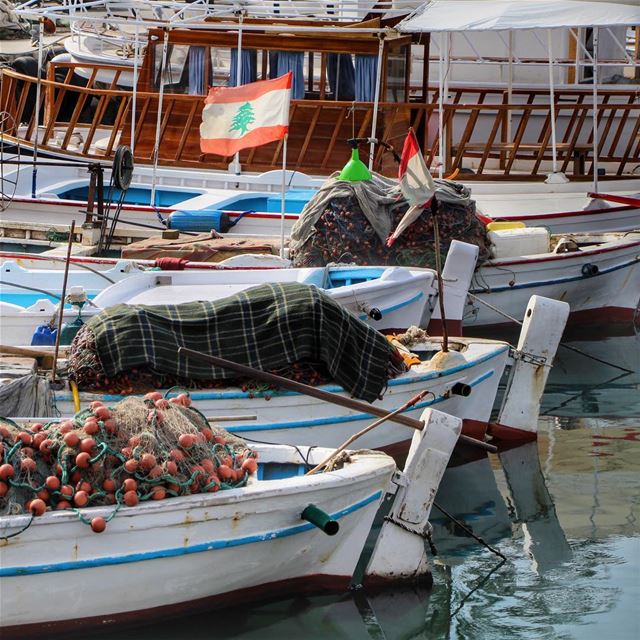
{"type": "Point", "coordinates": [44, 336]}
{"type": "Point", "coordinates": [202, 221]}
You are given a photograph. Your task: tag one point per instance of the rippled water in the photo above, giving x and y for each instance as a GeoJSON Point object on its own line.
{"type": "Point", "coordinates": [564, 511]}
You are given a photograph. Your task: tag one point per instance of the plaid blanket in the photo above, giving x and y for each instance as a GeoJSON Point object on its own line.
{"type": "Point", "coordinates": [265, 327]}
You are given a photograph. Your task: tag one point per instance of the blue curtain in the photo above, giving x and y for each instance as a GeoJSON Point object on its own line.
{"type": "Point", "coordinates": [196, 71]}
{"type": "Point", "coordinates": [281, 62]}
{"type": "Point", "coordinates": [249, 69]}
{"type": "Point", "coordinates": [366, 69]}
{"type": "Point", "coordinates": [341, 75]}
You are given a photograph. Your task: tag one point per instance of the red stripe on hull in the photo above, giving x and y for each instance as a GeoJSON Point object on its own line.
{"type": "Point", "coordinates": [318, 583]}
{"type": "Point", "coordinates": [512, 434]}
{"type": "Point", "coordinates": [454, 327]}
{"type": "Point", "coordinates": [604, 319]}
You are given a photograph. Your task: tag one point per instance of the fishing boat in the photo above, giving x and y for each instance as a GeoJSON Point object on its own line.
{"type": "Point", "coordinates": [508, 144]}
{"type": "Point", "coordinates": [461, 380]}
{"type": "Point", "coordinates": [386, 297]}
{"type": "Point", "coordinates": [597, 274]}
{"type": "Point", "coordinates": [238, 545]}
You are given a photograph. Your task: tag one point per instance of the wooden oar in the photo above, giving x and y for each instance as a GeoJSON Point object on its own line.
{"type": "Point", "coordinates": [308, 390]}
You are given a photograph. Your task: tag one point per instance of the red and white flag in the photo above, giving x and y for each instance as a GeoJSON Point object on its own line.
{"type": "Point", "coordinates": [416, 184]}
{"type": "Point", "coordinates": [415, 180]}
{"type": "Point", "coordinates": [236, 118]}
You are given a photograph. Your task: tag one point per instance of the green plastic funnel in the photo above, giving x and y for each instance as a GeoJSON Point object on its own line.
{"type": "Point", "coordinates": [355, 169]}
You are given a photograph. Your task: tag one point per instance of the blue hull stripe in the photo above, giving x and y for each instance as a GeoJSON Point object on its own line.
{"type": "Point", "coordinates": [395, 307]}
{"type": "Point", "coordinates": [545, 283]}
{"type": "Point", "coordinates": [334, 388]}
{"type": "Point", "coordinates": [335, 420]}
{"type": "Point", "coordinates": [6, 572]}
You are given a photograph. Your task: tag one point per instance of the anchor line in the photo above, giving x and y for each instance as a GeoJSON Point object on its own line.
{"type": "Point", "coordinates": [562, 344]}
{"type": "Point", "coordinates": [469, 531]}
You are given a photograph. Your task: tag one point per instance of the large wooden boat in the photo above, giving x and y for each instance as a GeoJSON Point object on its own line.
{"type": "Point", "coordinates": [339, 93]}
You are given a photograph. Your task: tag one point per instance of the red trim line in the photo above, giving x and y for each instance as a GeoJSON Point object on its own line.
{"type": "Point", "coordinates": [565, 214]}
{"type": "Point", "coordinates": [273, 590]}
{"type": "Point", "coordinates": [83, 203]}
{"type": "Point", "coordinates": [503, 432]}
{"type": "Point", "coordinates": [454, 327]}
{"type": "Point", "coordinates": [246, 92]}
{"type": "Point", "coordinates": [601, 320]}
{"type": "Point", "coordinates": [564, 256]}
{"type": "Point", "coordinates": [474, 428]}
{"type": "Point", "coordinates": [628, 200]}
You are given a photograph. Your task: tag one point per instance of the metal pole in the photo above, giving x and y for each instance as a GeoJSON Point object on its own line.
{"type": "Point", "coordinates": [36, 115]}
{"type": "Point", "coordinates": [595, 108]}
{"type": "Point", "coordinates": [64, 295]}
{"type": "Point", "coordinates": [376, 103]}
{"type": "Point", "coordinates": [436, 234]}
{"type": "Point", "coordinates": [552, 104]}
{"type": "Point", "coordinates": [136, 53]}
{"type": "Point", "coordinates": [510, 86]}
{"type": "Point", "coordinates": [156, 148]}
{"type": "Point", "coordinates": [284, 186]}
{"type": "Point", "coordinates": [235, 165]}
{"type": "Point", "coordinates": [440, 109]}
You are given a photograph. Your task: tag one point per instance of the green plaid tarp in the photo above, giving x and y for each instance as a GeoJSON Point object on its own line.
{"type": "Point", "coordinates": [265, 327]}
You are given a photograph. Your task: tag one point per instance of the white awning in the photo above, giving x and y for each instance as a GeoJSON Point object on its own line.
{"type": "Point", "coordinates": [506, 15]}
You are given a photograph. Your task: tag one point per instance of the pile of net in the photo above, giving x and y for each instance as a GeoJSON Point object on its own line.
{"type": "Point", "coordinates": [289, 329]}
{"type": "Point", "coordinates": [141, 449]}
{"type": "Point", "coordinates": [352, 221]}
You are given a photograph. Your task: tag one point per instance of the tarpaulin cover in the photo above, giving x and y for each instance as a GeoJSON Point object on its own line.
{"type": "Point", "coordinates": [506, 15]}
{"type": "Point", "coordinates": [265, 327]}
{"type": "Point", "coordinates": [351, 222]}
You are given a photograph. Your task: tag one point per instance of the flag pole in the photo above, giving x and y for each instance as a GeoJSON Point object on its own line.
{"type": "Point", "coordinates": [235, 165]}
{"type": "Point", "coordinates": [156, 146]}
{"type": "Point", "coordinates": [284, 186]}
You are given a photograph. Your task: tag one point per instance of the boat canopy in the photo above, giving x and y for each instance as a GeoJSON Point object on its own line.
{"type": "Point", "coordinates": [508, 15]}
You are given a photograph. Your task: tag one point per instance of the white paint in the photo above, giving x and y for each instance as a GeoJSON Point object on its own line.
{"type": "Point", "coordinates": [542, 328]}
{"type": "Point", "coordinates": [259, 508]}
{"type": "Point", "coordinates": [398, 553]}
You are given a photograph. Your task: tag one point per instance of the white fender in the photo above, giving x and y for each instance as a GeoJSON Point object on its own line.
{"type": "Point", "coordinates": [457, 273]}
{"type": "Point", "coordinates": [399, 553]}
{"type": "Point", "coordinates": [542, 328]}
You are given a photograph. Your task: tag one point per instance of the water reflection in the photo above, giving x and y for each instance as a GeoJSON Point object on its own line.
{"type": "Point", "coordinates": [595, 378]}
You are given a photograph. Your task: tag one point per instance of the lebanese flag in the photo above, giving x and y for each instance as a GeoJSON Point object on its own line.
{"type": "Point", "coordinates": [416, 184]}
{"type": "Point", "coordinates": [236, 118]}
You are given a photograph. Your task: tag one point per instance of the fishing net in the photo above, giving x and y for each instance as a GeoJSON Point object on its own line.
{"type": "Point", "coordinates": [141, 449]}
{"type": "Point", "coordinates": [343, 232]}
{"type": "Point", "coordinates": [89, 374]}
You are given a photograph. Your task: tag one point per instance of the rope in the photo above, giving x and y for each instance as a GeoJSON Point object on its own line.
{"type": "Point", "coordinates": [469, 531]}
{"type": "Point", "coordinates": [562, 344]}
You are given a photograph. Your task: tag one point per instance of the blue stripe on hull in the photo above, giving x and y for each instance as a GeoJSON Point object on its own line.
{"type": "Point", "coordinates": [6, 572]}
{"type": "Point", "coordinates": [197, 396]}
{"type": "Point", "coordinates": [545, 283]}
{"type": "Point", "coordinates": [335, 420]}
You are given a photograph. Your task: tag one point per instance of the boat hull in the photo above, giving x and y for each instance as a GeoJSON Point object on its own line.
{"type": "Point", "coordinates": [188, 553]}
{"type": "Point", "coordinates": [601, 283]}
{"type": "Point", "coordinates": [291, 418]}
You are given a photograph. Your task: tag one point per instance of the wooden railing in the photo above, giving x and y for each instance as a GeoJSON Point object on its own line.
{"type": "Point", "coordinates": [482, 132]}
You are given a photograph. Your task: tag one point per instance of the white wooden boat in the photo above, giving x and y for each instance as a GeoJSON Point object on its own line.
{"type": "Point", "coordinates": [252, 202]}
{"type": "Point", "coordinates": [462, 383]}
{"type": "Point", "coordinates": [385, 297]}
{"type": "Point", "coordinates": [600, 281]}
{"type": "Point", "coordinates": [158, 559]}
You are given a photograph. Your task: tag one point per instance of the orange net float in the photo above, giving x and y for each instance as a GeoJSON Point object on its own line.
{"type": "Point", "coordinates": [151, 448]}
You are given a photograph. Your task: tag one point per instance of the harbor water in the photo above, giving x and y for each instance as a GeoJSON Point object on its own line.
{"type": "Point", "coordinates": [564, 512]}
